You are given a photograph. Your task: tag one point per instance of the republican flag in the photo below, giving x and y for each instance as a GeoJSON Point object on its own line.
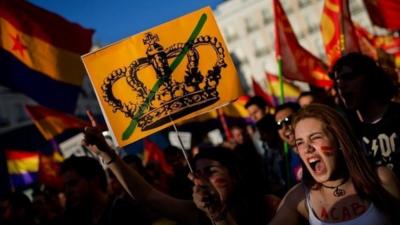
{"type": "Point", "coordinates": [271, 102]}
{"type": "Point", "coordinates": [23, 167]}
{"type": "Point", "coordinates": [298, 63]}
{"type": "Point", "coordinates": [384, 13]}
{"type": "Point", "coordinates": [40, 54]}
{"type": "Point", "coordinates": [291, 91]}
{"type": "Point", "coordinates": [338, 32]}
{"type": "Point", "coordinates": [51, 122]}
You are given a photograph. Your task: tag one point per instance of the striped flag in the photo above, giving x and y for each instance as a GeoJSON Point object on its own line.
{"type": "Point", "coordinates": [52, 122]}
{"type": "Point", "coordinates": [291, 91]}
{"type": "Point", "coordinates": [40, 54]}
{"type": "Point", "coordinates": [23, 167]}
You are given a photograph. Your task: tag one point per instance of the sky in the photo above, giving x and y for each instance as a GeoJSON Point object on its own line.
{"type": "Point", "coordinates": [114, 20]}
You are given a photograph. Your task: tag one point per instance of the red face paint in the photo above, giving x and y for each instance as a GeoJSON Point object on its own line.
{"type": "Point", "coordinates": [327, 150]}
{"type": "Point", "coordinates": [220, 182]}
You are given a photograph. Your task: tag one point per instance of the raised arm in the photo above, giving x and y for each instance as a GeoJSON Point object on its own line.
{"type": "Point", "coordinates": [181, 210]}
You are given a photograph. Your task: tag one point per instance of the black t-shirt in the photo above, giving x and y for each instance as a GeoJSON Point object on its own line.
{"type": "Point", "coordinates": [381, 140]}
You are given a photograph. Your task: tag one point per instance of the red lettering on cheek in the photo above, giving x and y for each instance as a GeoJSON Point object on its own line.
{"type": "Point", "coordinates": [358, 209]}
{"type": "Point", "coordinates": [324, 214]}
{"type": "Point", "coordinates": [346, 214]}
{"type": "Point", "coordinates": [327, 150]}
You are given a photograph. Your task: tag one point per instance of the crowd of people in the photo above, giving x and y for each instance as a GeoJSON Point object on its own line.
{"type": "Point", "coordinates": [326, 159]}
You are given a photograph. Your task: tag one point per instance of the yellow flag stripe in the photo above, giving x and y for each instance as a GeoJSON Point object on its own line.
{"type": "Point", "coordinates": [57, 63]}
{"type": "Point", "coordinates": [18, 166]}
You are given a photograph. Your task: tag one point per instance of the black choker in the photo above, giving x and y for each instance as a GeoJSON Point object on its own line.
{"type": "Point", "coordinates": [338, 192]}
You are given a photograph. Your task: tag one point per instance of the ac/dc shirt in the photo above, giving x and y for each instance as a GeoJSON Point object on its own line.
{"type": "Point", "coordinates": [381, 140]}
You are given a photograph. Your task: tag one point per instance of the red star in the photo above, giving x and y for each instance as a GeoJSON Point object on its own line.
{"type": "Point", "coordinates": [18, 46]}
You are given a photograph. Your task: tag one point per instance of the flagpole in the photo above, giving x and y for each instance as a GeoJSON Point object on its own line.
{"type": "Point", "coordinates": [184, 153]}
{"type": "Point", "coordinates": [222, 119]}
{"type": "Point", "coordinates": [282, 100]}
{"type": "Point", "coordinates": [181, 144]}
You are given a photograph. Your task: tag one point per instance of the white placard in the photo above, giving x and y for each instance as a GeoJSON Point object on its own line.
{"type": "Point", "coordinates": [186, 138]}
{"type": "Point", "coordinates": [215, 137]}
{"type": "Point", "coordinates": [73, 146]}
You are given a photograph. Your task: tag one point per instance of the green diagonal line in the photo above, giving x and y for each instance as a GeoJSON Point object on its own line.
{"type": "Point", "coordinates": [133, 124]}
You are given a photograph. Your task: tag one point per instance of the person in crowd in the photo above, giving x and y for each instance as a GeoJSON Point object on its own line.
{"type": "Point", "coordinates": [273, 159]}
{"type": "Point", "coordinates": [314, 96]}
{"type": "Point", "coordinates": [256, 107]}
{"type": "Point", "coordinates": [85, 186]}
{"type": "Point", "coordinates": [123, 204]}
{"type": "Point", "coordinates": [339, 185]}
{"type": "Point", "coordinates": [47, 204]}
{"type": "Point", "coordinates": [216, 177]}
{"type": "Point", "coordinates": [283, 118]}
{"type": "Point", "coordinates": [306, 98]}
{"type": "Point", "coordinates": [365, 91]}
{"type": "Point", "coordinates": [16, 209]}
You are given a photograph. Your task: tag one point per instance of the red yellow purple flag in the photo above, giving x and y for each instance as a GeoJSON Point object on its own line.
{"type": "Point", "coordinates": [384, 13]}
{"type": "Point", "coordinates": [40, 54]}
{"type": "Point", "coordinates": [298, 63]}
{"type": "Point", "coordinates": [258, 90]}
{"type": "Point", "coordinates": [23, 167]}
{"type": "Point", "coordinates": [292, 92]}
{"type": "Point", "coordinates": [51, 122]}
{"type": "Point", "coordinates": [338, 32]}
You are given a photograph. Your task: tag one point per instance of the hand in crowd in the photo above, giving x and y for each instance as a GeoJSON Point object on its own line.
{"type": "Point", "coordinates": [95, 141]}
{"type": "Point", "coordinates": [207, 198]}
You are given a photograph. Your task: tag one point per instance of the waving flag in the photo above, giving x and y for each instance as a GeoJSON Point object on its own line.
{"type": "Point", "coordinates": [384, 13]}
{"type": "Point", "coordinates": [338, 32]}
{"type": "Point", "coordinates": [52, 123]}
{"type": "Point", "coordinates": [298, 63]}
{"type": "Point", "coordinates": [23, 167]}
{"type": "Point", "coordinates": [291, 91]}
{"type": "Point", "coordinates": [40, 54]}
{"type": "Point", "coordinates": [260, 92]}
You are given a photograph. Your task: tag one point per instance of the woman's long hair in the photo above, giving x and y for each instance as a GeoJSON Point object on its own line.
{"type": "Point", "coordinates": [247, 202]}
{"type": "Point", "coordinates": [363, 174]}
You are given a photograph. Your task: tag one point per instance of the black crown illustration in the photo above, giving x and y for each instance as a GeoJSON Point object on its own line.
{"type": "Point", "coordinates": [172, 99]}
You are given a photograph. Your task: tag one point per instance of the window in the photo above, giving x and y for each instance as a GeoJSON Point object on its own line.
{"type": "Point", "coordinates": [267, 16]}
{"type": "Point", "coordinates": [260, 46]}
{"type": "Point", "coordinates": [230, 33]}
{"type": "Point", "coordinates": [251, 24]}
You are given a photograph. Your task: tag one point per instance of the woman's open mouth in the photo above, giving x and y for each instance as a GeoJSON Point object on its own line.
{"type": "Point", "coordinates": [317, 165]}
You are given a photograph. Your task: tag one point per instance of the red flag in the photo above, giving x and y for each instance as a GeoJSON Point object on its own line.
{"type": "Point", "coordinates": [366, 41]}
{"type": "Point", "coordinates": [260, 92]}
{"type": "Point", "coordinates": [51, 122]}
{"type": "Point", "coordinates": [337, 30]}
{"type": "Point", "coordinates": [384, 13]}
{"type": "Point", "coordinates": [49, 166]}
{"type": "Point", "coordinates": [153, 153]}
{"type": "Point", "coordinates": [298, 63]}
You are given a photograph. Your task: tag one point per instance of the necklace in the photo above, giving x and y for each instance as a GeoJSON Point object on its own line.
{"type": "Point", "coordinates": [337, 192]}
